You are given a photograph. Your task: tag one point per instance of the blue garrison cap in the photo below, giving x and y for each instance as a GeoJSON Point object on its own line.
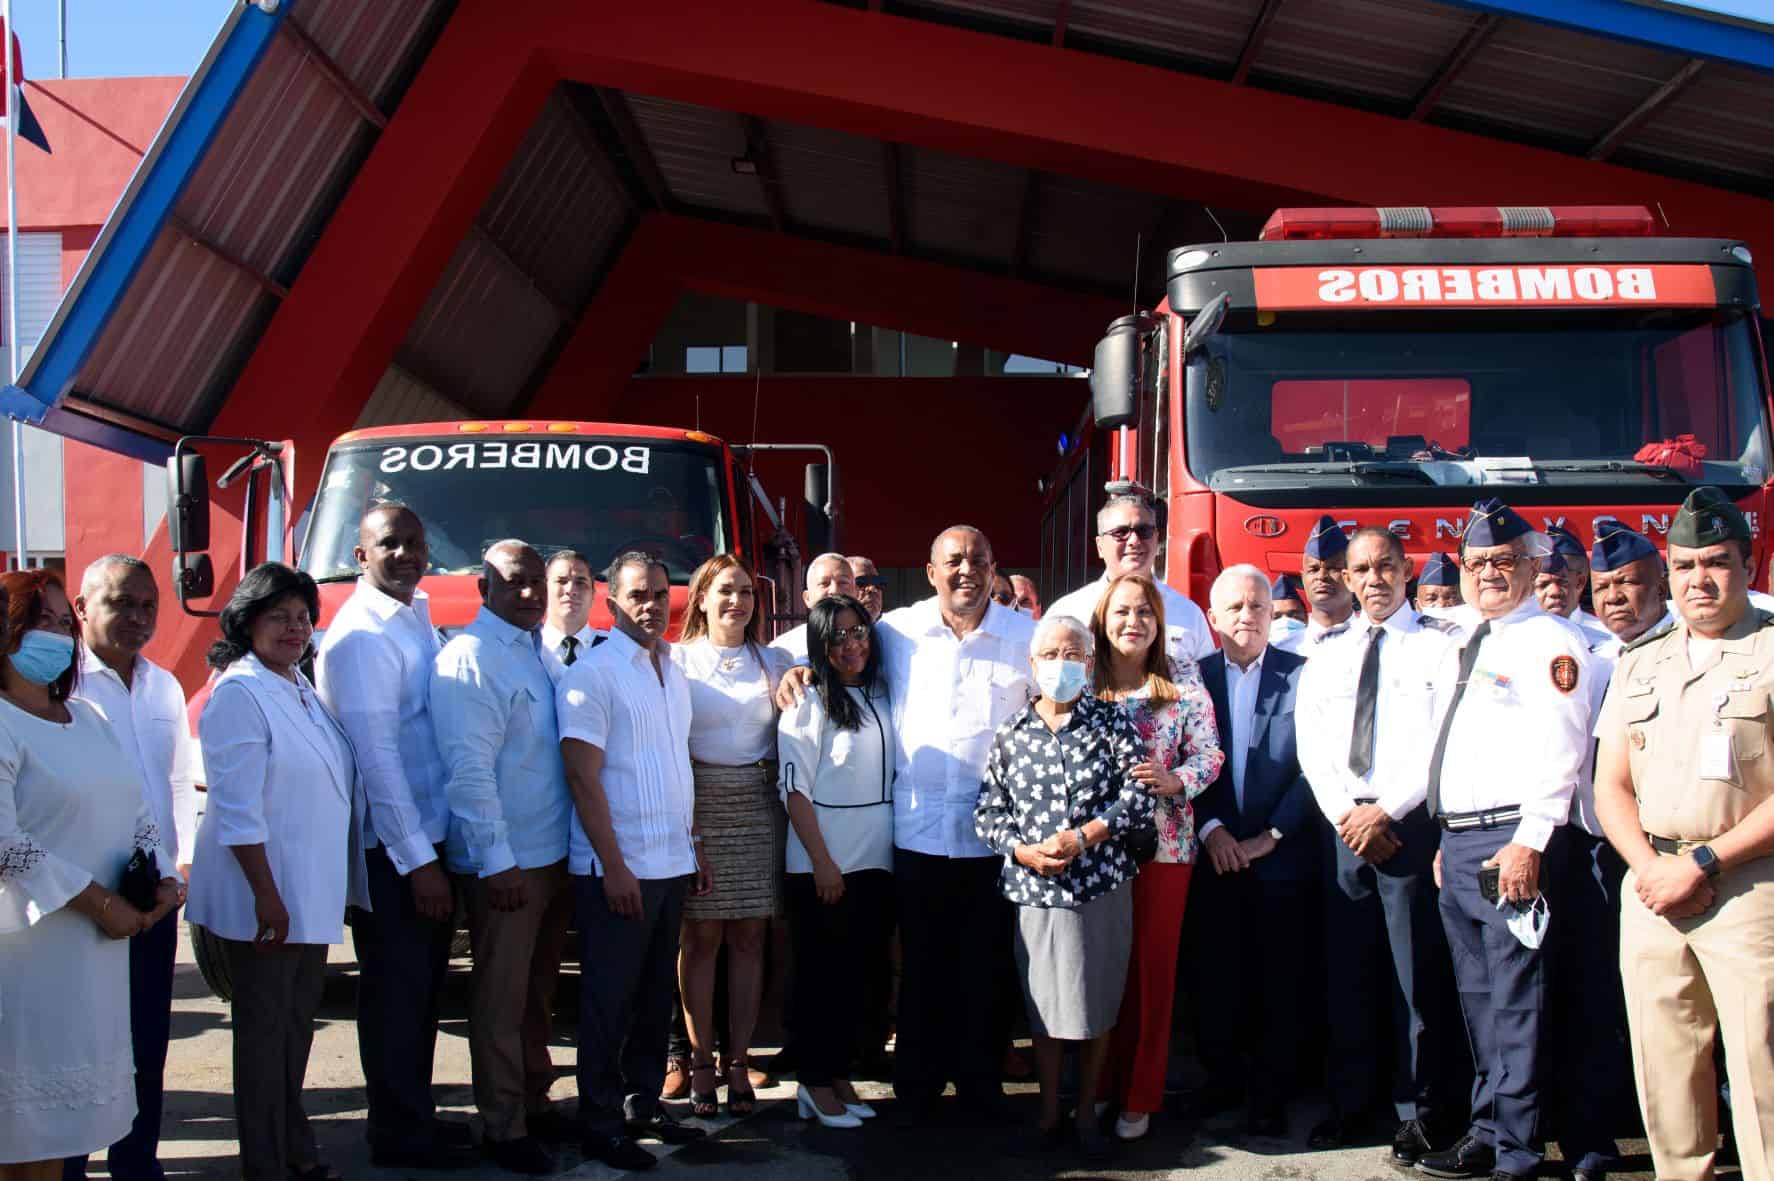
{"type": "Point", "coordinates": [1327, 539]}
{"type": "Point", "coordinates": [1564, 542]}
{"type": "Point", "coordinates": [1286, 586]}
{"type": "Point", "coordinates": [1492, 522]}
{"type": "Point", "coordinates": [1617, 546]}
{"type": "Point", "coordinates": [1554, 562]}
{"type": "Point", "coordinates": [1439, 569]}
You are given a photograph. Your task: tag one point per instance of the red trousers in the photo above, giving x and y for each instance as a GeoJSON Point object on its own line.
{"type": "Point", "coordinates": [1141, 1046]}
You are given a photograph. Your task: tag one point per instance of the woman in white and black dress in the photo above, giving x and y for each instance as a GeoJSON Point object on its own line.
{"type": "Point", "coordinates": [836, 750]}
{"type": "Point", "coordinates": [732, 679]}
{"type": "Point", "coordinates": [72, 815]}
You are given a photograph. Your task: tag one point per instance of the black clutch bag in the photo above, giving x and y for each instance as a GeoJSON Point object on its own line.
{"type": "Point", "coordinates": [1142, 843]}
{"type": "Point", "coordinates": [140, 883]}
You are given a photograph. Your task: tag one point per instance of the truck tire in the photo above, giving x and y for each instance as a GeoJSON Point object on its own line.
{"type": "Point", "coordinates": [212, 961]}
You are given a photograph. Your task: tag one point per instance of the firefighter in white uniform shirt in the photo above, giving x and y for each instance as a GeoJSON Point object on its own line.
{"type": "Point", "coordinates": [1329, 604]}
{"type": "Point", "coordinates": [1127, 541]}
{"type": "Point", "coordinates": [1505, 763]}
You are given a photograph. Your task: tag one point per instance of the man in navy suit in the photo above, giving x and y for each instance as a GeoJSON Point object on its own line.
{"type": "Point", "coordinates": [1260, 837]}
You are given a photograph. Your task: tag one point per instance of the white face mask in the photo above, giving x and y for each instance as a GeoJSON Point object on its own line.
{"type": "Point", "coordinates": [1285, 626]}
{"type": "Point", "coordinates": [1060, 680]}
{"type": "Point", "coordinates": [1528, 924]}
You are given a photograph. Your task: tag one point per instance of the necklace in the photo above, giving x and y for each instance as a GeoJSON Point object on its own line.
{"type": "Point", "coordinates": [732, 659]}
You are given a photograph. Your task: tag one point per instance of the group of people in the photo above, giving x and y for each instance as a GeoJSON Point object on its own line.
{"type": "Point", "coordinates": [1440, 812]}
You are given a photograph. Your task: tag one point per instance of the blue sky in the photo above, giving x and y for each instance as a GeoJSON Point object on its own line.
{"type": "Point", "coordinates": [119, 38]}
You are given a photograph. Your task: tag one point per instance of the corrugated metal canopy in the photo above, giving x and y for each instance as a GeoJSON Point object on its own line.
{"type": "Point", "coordinates": [275, 124]}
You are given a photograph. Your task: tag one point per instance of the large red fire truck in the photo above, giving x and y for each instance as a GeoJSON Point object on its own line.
{"type": "Point", "coordinates": [1391, 366]}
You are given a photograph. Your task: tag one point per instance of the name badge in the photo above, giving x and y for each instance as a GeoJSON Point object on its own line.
{"type": "Point", "coordinates": [1715, 758]}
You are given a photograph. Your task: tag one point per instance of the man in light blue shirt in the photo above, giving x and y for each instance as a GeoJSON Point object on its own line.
{"type": "Point", "coordinates": [492, 703]}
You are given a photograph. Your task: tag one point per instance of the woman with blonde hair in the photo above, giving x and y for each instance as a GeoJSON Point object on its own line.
{"type": "Point", "coordinates": [1170, 708]}
{"type": "Point", "coordinates": [733, 680]}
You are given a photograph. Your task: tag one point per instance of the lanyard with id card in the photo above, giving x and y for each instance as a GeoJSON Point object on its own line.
{"type": "Point", "coordinates": [1716, 761]}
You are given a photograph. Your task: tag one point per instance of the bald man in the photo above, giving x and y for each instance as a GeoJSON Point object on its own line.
{"type": "Point", "coordinates": [828, 574]}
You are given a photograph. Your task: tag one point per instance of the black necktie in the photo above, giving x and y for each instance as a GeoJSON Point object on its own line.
{"type": "Point", "coordinates": [1367, 698]}
{"type": "Point", "coordinates": [571, 644]}
{"type": "Point", "coordinates": [1468, 660]}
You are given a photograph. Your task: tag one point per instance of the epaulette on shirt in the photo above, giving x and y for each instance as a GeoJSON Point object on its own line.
{"type": "Point", "coordinates": [1655, 634]}
{"type": "Point", "coordinates": [1437, 625]}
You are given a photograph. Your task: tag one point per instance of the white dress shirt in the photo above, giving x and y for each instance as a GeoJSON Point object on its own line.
{"type": "Point", "coordinates": [492, 705]}
{"type": "Point", "coordinates": [554, 648]}
{"type": "Point", "coordinates": [792, 644]}
{"type": "Point", "coordinates": [1517, 739]}
{"type": "Point", "coordinates": [1605, 656]}
{"type": "Point", "coordinates": [640, 719]}
{"type": "Point", "coordinates": [373, 671]}
{"type": "Point", "coordinates": [280, 775]}
{"type": "Point", "coordinates": [1186, 633]}
{"type": "Point", "coordinates": [732, 700]}
{"type": "Point", "coordinates": [1312, 639]}
{"type": "Point", "coordinates": [1610, 648]}
{"type": "Point", "coordinates": [1407, 713]}
{"type": "Point", "coordinates": [949, 698]}
{"type": "Point", "coordinates": [148, 717]}
{"type": "Point", "coordinates": [1593, 629]}
{"type": "Point", "coordinates": [848, 777]}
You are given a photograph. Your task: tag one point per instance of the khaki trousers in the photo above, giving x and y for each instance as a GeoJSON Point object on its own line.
{"type": "Point", "coordinates": [517, 959]}
{"type": "Point", "coordinates": [1687, 980]}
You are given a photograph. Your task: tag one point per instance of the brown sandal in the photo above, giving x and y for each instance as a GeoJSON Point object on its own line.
{"type": "Point", "coordinates": [677, 1078]}
{"type": "Point", "coordinates": [703, 1103]}
{"type": "Point", "coordinates": [741, 1099]}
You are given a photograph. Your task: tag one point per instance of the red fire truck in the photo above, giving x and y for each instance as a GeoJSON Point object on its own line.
{"type": "Point", "coordinates": [1391, 366]}
{"type": "Point", "coordinates": [598, 488]}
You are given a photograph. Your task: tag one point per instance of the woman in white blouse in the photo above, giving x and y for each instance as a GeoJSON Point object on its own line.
{"type": "Point", "coordinates": [732, 679]}
{"type": "Point", "coordinates": [279, 857]}
{"type": "Point", "coordinates": [836, 751]}
{"type": "Point", "coordinates": [72, 815]}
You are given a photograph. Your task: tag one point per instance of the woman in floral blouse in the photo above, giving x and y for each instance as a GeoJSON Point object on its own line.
{"type": "Point", "coordinates": [1059, 788]}
{"type": "Point", "coordinates": [1170, 708]}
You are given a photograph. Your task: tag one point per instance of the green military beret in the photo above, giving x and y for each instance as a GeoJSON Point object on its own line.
{"type": "Point", "coordinates": [1708, 517]}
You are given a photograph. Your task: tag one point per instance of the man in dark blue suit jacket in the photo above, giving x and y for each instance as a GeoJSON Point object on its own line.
{"type": "Point", "coordinates": [1255, 881]}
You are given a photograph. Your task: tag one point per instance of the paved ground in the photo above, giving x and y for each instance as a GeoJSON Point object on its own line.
{"type": "Point", "coordinates": [200, 1126]}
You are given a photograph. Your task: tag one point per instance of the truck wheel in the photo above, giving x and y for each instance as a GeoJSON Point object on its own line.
{"type": "Point", "coordinates": [212, 961]}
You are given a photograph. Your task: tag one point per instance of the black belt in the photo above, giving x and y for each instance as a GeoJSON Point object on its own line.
{"type": "Point", "coordinates": [1672, 845]}
{"type": "Point", "coordinates": [1480, 821]}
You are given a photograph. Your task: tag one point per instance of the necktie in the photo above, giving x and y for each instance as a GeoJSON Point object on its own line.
{"type": "Point", "coordinates": [1468, 661]}
{"type": "Point", "coordinates": [570, 650]}
{"type": "Point", "coordinates": [1367, 698]}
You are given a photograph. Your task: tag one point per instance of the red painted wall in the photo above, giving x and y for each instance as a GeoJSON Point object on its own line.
{"type": "Point", "coordinates": [98, 129]}
{"type": "Point", "coordinates": [914, 454]}
{"type": "Point", "coordinates": [101, 505]}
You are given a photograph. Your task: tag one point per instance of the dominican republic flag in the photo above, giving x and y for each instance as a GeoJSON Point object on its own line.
{"type": "Point", "coordinates": [28, 127]}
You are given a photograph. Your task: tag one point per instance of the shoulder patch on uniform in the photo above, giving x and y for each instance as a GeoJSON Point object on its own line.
{"type": "Point", "coordinates": [1437, 625]}
{"type": "Point", "coordinates": [1652, 636]}
{"type": "Point", "coordinates": [1564, 673]}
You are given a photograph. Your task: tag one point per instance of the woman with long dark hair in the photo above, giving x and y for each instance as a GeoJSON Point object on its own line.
{"type": "Point", "coordinates": [732, 678]}
{"type": "Point", "coordinates": [72, 817]}
{"type": "Point", "coordinates": [279, 857]}
{"type": "Point", "coordinates": [836, 751]}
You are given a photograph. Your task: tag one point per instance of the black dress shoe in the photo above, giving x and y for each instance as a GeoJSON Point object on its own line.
{"type": "Point", "coordinates": [1468, 1158]}
{"type": "Point", "coordinates": [1596, 1173]}
{"type": "Point", "coordinates": [1339, 1131]}
{"type": "Point", "coordinates": [917, 1113]}
{"type": "Point", "coordinates": [664, 1128]}
{"type": "Point", "coordinates": [429, 1156]}
{"type": "Point", "coordinates": [1265, 1121]}
{"type": "Point", "coordinates": [1094, 1147]}
{"type": "Point", "coordinates": [987, 1111]}
{"type": "Point", "coordinates": [619, 1152]}
{"type": "Point", "coordinates": [451, 1134]}
{"type": "Point", "coordinates": [1208, 1101]}
{"type": "Point", "coordinates": [553, 1126]}
{"type": "Point", "coordinates": [1410, 1143]}
{"type": "Point", "coordinates": [523, 1155]}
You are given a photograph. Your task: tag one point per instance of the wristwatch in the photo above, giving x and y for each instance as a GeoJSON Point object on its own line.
{"type": "Point", "coordinates": [1706, 859]}
{"type": "Point", "coordinates": [1276, 834]}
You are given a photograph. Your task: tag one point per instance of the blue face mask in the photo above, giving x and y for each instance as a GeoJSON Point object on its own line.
{"type": "Point", "coordinates": [1283, 627]}
{"type": "Point", "coordinates": [42, 656]}
{"type": "Point", "coordinates": [1060, 680]}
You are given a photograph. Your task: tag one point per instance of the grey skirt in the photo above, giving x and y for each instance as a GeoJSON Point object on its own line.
{"type": "Point", "coordinates": [1073, 964]}
{"type": "Point", "coordinates": [743, 832]}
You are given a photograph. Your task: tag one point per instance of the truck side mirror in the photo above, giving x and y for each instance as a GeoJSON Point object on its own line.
{"type": "Point", "coordinates": [820, 508]}
{"type": "Point", "coordinates": [1115, 373]}
{"type": "Point", "coordinates": [187, 500]}
{"type": "Point", "coordinates": [193, 577]}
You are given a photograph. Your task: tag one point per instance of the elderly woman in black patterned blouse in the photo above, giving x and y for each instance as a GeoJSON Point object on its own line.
{"type": "Point", "coordinates": [1058, 792]}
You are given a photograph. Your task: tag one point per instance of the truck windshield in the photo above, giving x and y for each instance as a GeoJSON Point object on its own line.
{"type": "Point", "coordinates": [599, 496]}
{"type": "Point", "coordinates": [1409, 400]}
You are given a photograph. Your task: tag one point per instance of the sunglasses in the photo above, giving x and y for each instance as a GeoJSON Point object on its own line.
{"type": "Point", "coordinates": [849, 635]}
{"type": "Point", "coordinates": [1122, 532]}
{"type": "Point", "coordinates": [877, 580]}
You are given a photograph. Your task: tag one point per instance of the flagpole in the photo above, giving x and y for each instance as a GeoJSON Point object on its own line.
{"type": "Point", "coordinates": [12, 349]}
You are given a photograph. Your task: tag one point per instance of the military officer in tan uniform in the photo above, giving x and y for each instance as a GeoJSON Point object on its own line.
{"type": "Point", "coordinates": [1683, 787]}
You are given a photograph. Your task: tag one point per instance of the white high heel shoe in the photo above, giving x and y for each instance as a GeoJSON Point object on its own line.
{"type": "Point", "coordinates": [810, 1110]}
{"type": "Point", "coordinates": [860, 1110]}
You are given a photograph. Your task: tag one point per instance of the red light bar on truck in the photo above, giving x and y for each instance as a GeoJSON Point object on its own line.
{"type": "Point", "coordinates": [1461, 221]}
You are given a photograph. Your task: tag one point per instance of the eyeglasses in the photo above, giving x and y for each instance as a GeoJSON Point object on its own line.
{"type": "Point", "coordinates": [1122, 532]}
{"type": "Point", "coordinates": [1502, 563]}
{"type": "Point", "coordinates": [849, 635]}
{"type": "Point", "coordinates": [876, 580]}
